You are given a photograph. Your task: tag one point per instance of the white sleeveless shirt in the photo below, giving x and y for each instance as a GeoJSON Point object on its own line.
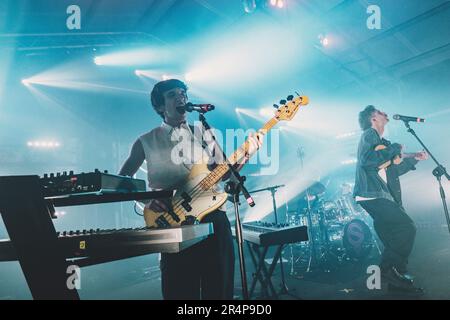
{"type": "Point", "coordinates": [170, 153]}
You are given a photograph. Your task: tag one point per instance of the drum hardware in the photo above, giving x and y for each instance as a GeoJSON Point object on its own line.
{"type": "Point", "coordinates": [340, 232]}
{"type": "Point", "coordinates": [306, 213]}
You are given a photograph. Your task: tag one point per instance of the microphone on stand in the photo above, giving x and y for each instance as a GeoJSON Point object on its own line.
{"type": "Point", "coordinates": [407, 119]}
{"type": "Point", "coordinates": [202, 108]}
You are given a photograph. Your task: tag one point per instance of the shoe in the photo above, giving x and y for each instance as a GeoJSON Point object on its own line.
{"type": "Point", "coordinates": [406, 289]}
{"type": "Point", "coordinates": [395, 278]}
{"type": "Point", "coordinates": [408, 276]}
{"type": "Point", "coordinates": [404, 272]}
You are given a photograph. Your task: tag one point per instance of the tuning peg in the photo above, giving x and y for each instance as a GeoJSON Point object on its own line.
{"type": "Point", "coordinates": [276, 106]}
{"type": "Point", "coordinates": [290, 97]}
{"type": "Point", "coordinates": [282, 101]}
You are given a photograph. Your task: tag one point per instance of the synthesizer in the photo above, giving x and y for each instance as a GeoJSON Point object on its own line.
{"type": "Point", "coordinates": [113, 244]}
{"type": "Point", "coordinates": [269, 234]}
{"type": "Point", "coordinates": [97, 182]}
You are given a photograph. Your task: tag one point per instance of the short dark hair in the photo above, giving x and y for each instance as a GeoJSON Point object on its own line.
{"type": "Point", "coordinates": [365, 116]}
{"type": "Point", "coordinates": [157, 96]}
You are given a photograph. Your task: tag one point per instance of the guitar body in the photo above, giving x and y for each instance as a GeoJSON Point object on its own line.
{"type": "Point", "coordinates": [206, 202]}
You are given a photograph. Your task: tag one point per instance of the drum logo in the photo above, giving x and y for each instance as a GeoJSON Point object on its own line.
{"type": "Point", "coordinates": [355, 236]}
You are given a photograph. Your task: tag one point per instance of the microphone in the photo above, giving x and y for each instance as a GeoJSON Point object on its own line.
{"type": "Point", "coordinates": [407, 119]}
{"type": "Point", "coordinates": [202, 108]}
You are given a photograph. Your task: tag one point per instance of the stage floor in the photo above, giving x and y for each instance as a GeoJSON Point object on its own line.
{"type": "Point", "coordinates": [132, 279]}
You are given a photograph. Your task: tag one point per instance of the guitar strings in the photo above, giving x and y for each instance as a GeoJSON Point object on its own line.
{"type": "Point", "coordinates": [197, 189]}
{"type": "Point", "coordinates": [195, 192]}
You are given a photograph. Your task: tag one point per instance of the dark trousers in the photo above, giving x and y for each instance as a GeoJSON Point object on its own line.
{"type": "Point", "coordinates": [203, 271]}
{"type": "Point", "coordinates": [395, 229]}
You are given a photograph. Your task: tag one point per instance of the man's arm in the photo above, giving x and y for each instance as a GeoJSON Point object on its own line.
{"type": "Point", "coordinates": [409, 164]}
{"type": "Point", "coordinates": [134, 161]}
{"type": "Point", "coordinates": [131, 166]}
{"type": "Point", "coordinates": [370, 158]}
{"type": "Point", "coordinates": [406, 165]}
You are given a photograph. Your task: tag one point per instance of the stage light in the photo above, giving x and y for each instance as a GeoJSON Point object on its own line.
{"type": "Point", "coordinates": [237, 110]}
{"type": "Point", "coordinates": [277, 3]}
{"type": "Point", "coordinates": [267, 112]}
{"type": "Point", "coordinates": [346, 135]}
{"type": "Point", "coordinates": [165, 77]}
{"type": "Point", "coordinates": [324, 40]}
{"type": "Point", "coordinates": [98, 61]}
{"type": "Point", "coordinates": [252, 56]}
{"type": "Point", "coordinates": [147, 56]}
{"type": "Point", "coordinates": [188, 76]}
{"type": "Point", "coordinates": [348, 162]}
{"type": "Point", "coordinates": [25, 82]}
{"type": "Point", "coordinates": [43, 144]}
{"type": "Point", "coordinates": [249, 5]}
{"type": "Point", "coordinates": [138, 73]}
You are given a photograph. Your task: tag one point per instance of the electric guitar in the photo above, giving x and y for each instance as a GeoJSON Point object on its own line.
{"type": "Point", "coordinates": [198, 197]}
{"type": "Point", "coordinates": [397, 159]}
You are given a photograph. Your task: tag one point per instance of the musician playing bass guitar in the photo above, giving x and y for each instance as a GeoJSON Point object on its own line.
{"type": "Point", "coordinates": [205, 270]}
{"type": "Point", "coordinates": [377, 190]}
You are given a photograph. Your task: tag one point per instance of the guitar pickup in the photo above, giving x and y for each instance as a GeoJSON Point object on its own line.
{"type": "Point", "coordinates": [186, 206]}
{"type": "Point", "coordinates": [174, 216]}
{"type": "Point", "coordinates": [186, 197]}
{"type": "Point", "coordinates": [162, 222]}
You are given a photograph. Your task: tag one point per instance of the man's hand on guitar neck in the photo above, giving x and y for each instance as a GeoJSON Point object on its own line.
{"type": "Point", "coordinates": [420, 156]}
{"type": "Point", "coordinates": [255, 141]}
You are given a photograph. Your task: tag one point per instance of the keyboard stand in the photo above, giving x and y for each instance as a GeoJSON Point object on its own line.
{"type": "Point", "coordinates": [27, 218]}
{"type": "Point", "coordinates": [31, 229]}
{"type": "Point", "coordinates": [258, 255]}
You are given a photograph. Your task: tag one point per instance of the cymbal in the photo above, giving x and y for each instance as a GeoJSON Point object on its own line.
{"type": "Point", "coordinates": [315, 189]}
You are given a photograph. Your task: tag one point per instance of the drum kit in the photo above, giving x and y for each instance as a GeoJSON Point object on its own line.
{"type": "Point", "coordinates": [340, 231]}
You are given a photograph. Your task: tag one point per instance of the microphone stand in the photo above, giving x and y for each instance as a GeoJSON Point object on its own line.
{"type": "Point", "coordinates": [438, 172]}
{"type": "Point", "coordinates": [234, 188]}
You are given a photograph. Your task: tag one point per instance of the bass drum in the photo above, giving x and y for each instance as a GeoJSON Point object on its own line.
{"type": "Point", "coordinates": [357, 240]}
